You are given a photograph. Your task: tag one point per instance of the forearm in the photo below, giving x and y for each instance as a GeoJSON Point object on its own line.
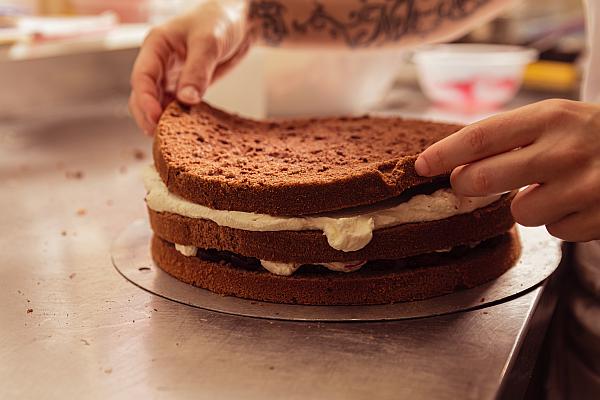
{"type": "Point", "coordinates": [367, 23]}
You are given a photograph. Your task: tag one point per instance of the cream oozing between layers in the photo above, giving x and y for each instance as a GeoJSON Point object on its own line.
{"type": "Point", "coordinates": [346, 230]}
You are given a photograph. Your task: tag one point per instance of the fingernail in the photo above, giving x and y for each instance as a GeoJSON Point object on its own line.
{"type": "Point", "coordinates": [422, 167]}
{"type": "Point", "coordinates": [189, 94]}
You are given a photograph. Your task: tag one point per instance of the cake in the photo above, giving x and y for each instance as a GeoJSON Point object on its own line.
{"type": "Point", "coordinates": [321, 211]}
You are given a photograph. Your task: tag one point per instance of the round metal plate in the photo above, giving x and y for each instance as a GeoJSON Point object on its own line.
{"type": "Point", "coordinates": [131, 257]}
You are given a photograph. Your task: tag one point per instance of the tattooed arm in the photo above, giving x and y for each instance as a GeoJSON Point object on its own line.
{"type": "Point", "coordinates": [366, 23]}
{"type": "Point", "coordinates": [183, 56]}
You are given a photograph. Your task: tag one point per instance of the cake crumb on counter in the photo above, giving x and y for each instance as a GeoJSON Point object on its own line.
{"type": "Point", "coordinates": [74, 174]}
{"type": "Point", "coordinates": [139, 154]}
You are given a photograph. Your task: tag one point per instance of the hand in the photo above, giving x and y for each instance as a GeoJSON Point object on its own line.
{"type": "Point", "coordinates": [182, 57]}
{"type": "Point", "coordinates": [552, 147]}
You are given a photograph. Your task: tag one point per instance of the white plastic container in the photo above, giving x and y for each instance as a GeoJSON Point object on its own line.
{"type": "Point", "coordinates": [472, 77]}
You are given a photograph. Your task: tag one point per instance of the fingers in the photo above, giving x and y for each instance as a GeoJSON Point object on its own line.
{"type": "Point", "coordinates": [550, 158]}
{"type": "Point", "coordinates": [486, 138]}
{"type": "Point", "coordinates": [551, 147]}
{"type": "Point", "coordinates": [204, 37]}
{"type": "Point", "coordinates": [545, 204]}
{"type": "Point", "coordinates": [138, 115]}
{"type": "Point", "coordinates": [502, 173]}
{"type": "Point", "coordinates": [197, 73]}
{"type": "Point", "coordinates": [144, 104]}
{"type": "Point", "coordinates": [146, 77]}
{"type": "Point", "coordinates": [548, 203]}
{"type": "Point", "coordinates": [581, 226]}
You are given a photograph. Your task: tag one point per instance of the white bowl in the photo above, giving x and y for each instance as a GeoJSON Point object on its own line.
{"type": "Point", "coordinates": [472, 77]}
{"type": "Point", "coordinates": [328, 81]}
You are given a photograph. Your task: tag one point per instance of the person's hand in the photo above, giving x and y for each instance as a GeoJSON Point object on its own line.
{"type": "Point", "coordinates": [182, 57]}
{"type": "Point", "coordinates": [552, 147]}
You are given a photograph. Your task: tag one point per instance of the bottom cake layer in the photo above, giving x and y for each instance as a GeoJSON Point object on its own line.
{"type": "Point", "coordinates": [371, 285]}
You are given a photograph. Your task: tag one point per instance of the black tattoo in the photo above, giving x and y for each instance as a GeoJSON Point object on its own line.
{"type": "Point", "coordinates": [270, 15]}
{"type": "Point", "coordinates": [370, 22]}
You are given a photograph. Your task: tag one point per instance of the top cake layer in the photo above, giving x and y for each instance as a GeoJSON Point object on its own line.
{"type": "Point", "coordinates": [288, 167]}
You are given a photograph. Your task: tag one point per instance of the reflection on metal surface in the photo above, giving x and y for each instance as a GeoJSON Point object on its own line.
{"type": "Point", "coordinates": [131, 257]}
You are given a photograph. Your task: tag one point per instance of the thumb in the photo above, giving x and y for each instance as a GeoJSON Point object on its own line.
{"type": "Point", "coordinates": [196, 75]}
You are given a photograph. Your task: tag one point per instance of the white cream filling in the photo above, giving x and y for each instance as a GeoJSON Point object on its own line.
{"type": "Point", "coordinates": [280, 268]}
{"type": "Point", "coordinates": [346, 230]}
{"type": "Point", "coordinates": [287, 269]}
{"type": "Point", "coordinates": [189, 251]}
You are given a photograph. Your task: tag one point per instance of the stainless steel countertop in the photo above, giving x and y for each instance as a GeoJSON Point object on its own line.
{"type": "Point", "coordinates": [72, 327]}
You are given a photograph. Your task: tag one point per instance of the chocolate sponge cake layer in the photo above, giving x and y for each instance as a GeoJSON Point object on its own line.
{"type": "Point", "coordinates": [370, 285]}
{"type": "Point", "coordinates": [311, 246]}
{"type": "Point", "coordinates": [288, 167]}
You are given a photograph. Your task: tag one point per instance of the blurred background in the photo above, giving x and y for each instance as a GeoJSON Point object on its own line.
{"type": "Point", "coordinates": [73, 57]}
